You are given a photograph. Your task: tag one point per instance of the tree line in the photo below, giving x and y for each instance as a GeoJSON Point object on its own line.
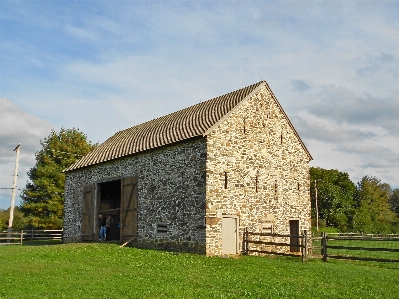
{"type": "Point", "coordinates": [369, 207]}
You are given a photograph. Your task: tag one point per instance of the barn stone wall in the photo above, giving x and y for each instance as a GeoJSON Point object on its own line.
{"type": "Point", "coordinates": [266, 169]}
{"type": "Point", "coordinates": [183, 185]}
{"type": "Point", "coordinates": [171, 190]}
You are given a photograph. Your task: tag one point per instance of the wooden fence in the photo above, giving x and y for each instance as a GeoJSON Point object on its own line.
{"type": "Point", "coordinates": [299, 246]}
{"type": "Point", "coordinates": [11, 238]}
{"type": "Point", "coordinates": [364, 236]}
{"type": "Point", "coordinates": [352, 251]}
{"type": "Point", "coordinates": [17, 237]}
{"type": "Point", "coordinates": [383, 247]}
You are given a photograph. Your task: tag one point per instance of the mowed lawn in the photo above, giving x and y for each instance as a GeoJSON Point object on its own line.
{"type": "Point", "coordinates": [101, 270]}
{"type": "Point", "coordinates": [389, 249]}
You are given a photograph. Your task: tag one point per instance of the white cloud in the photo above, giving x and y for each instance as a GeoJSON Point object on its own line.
{"type": "Point", "coordinates": [93, 28]}
{"type": "Point", "coordinates": [81, 33]}
{"type": "Point", "coordinates": [341, 105]}
{"type": "Point", "coordinates": [17, 127]}
{"type": "Point", "coordinates": [106, 66]}
{"type": "Point", "coordinates": [300, 85]}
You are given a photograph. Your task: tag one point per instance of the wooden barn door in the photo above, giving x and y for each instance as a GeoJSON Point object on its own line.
{"type": "Point", "coordinates": [229, 235]}
{"type": "Point", "coordinates": [129, 208]}
{"type": "Point", "coordinates": [88, 213]}
{"type": "Point", "coordinates": [294, 233]}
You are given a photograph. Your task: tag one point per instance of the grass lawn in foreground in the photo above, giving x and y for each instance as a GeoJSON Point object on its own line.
{"type": "Point", "coordinates": [367, 245]}
{"type": "Point", "coordinates": [102, 270]}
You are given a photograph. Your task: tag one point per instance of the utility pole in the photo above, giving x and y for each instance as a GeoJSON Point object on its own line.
{"type": "Point", "coordinates": [317, 208]}
{"type": "Point", "coordinates": [14, 187]}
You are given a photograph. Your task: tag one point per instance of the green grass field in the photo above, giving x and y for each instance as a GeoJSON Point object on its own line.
{"type": "Point", "coordinates": [393, 245]}
{"type": "Point", "coordinates": [106, 271]}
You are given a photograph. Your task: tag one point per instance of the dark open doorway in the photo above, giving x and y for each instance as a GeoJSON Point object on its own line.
{"type": "Point", "coordinates": [294, 233]}
{"type": "Point", "coordinates": [115, 198]}
{"type": "Point", "coordinates": [110, 205]}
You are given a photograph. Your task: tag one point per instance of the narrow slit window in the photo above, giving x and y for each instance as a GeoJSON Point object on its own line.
{"type": "Point", "coordinates": [244, 126]}
{"type": "Point", "coordinates": [281, 138]}
{"type": "Point", "coordinates": [256, 184]}
{"type": "Point", "coordinates": [299, 187]}
{"type": "Point", "coordinates": [225, 180]}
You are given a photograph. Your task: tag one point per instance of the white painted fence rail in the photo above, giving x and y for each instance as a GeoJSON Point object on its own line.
{"type": "Point", "coordinates": [17, 237]}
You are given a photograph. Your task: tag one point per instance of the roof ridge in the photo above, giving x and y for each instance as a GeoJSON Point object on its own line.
{"type": "Point", "coordinates": [192, 106]}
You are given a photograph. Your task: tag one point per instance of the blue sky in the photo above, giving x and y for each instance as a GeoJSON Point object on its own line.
{"type": "Point", "coordinates": [103, 66]}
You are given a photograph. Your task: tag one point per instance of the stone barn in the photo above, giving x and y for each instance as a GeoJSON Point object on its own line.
{"type": "Point", "coordinates": [193, 180]}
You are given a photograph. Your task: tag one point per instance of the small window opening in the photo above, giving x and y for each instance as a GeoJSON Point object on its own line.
{"type": "Point", "coordinates": [162, 228]}
{"type": "Point", "coordinates": [267, 228]}
{"type": "Point", "coordinates": [299, 186]}
{"type": "Point", "coordinates": [275, 187]}
{"type": "Point", "coordinates": [267, 112]}
{"type": "Point", "coordinates": [281, 138]}
{"type": "Point", "coordinates": [225, 180]}
{"type": "Point", "coordinates": [256, 184]}
{"type": "Point", "coordinates": [244, 126]}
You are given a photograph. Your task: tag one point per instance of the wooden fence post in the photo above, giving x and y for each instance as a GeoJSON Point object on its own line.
{"type": "Point", "coordinates": [31, 234]}
{"type": "Point", "coordinates": [324, 246]}
{"type": "Point", "coordinates": [246, 240]}
{"type": "Point", "coordinates": [301, 247]}
{"type": "Point", "coordinates": [304, 246]}
{"type": "Point", "coordinates": [22, 236]}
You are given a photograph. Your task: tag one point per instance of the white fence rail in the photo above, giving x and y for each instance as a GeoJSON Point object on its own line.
{"type": "Point", "coordinates": [361, 236]}
{"type": "Point", "coordinates": [17, 237]}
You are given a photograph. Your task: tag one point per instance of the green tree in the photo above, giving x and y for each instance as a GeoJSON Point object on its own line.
{"type": "Point", "coordinates": [373, 211]}
{"type": "Point", "coordinates": [43, 196]}
{"type": "Point", "coordinates": [394, 201]}
{"type": "Point", "coordinates": [335, 193]}
{"type": "Point", "coordinates": [20, 222]}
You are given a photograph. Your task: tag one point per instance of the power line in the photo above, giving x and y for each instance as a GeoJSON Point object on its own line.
{"type": "Point", "coordinates": [72, 154]}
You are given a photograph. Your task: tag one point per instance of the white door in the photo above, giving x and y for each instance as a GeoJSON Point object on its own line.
{"type": "Point", "coordinates": [229, 235]}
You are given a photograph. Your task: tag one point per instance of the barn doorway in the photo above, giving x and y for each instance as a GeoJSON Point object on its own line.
{"type": "Point", "coordinates": [294, 236]}
{"type": "Point", "coordinates": [109, 195]}
{"type": "Point", "coordinates": [116, 198]}
{"type": "Point", "coordinates": [229, 234]}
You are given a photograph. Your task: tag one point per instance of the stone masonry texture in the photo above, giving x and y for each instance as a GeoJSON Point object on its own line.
{"type": "Point", "coordinates": [253, 149]}
{"type": "Point", "coordinates": [267, 172]}
{"type": "Point", "coordinates": [171, 191]}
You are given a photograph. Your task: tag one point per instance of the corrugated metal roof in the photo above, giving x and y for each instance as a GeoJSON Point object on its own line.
{"type": "Point", "coordinates": [181, 125]}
